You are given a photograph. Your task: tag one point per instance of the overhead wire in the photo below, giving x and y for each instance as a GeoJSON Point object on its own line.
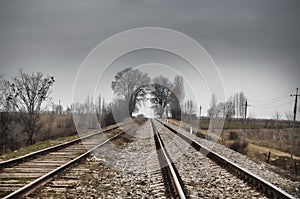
{"type": "Point", "coordinates": [272, 102]}
{"type": "Point", "coordinates": [270, 107]}
{"type": "Point", "coordinates": [279, 98]}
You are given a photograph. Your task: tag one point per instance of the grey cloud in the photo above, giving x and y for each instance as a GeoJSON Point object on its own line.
{"type": "Point", "coordinates": [237, 33]}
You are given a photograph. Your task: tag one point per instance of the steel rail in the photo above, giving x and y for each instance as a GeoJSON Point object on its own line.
{"type": "Point", "coordinates": [45, 178]}
{"type": "Point", "coordinates": [17, 160]}
{"type": "Point", "coordinates": [260, 184]}
{"type": "Point", "coordinates": [175, 178]}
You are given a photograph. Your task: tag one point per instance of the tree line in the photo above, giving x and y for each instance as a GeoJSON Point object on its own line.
{"type": "Point", "coordinates": [26, 96]}
{"type": "Point", "coordinates": [134, 87]}
{"type": "Point", "coordinates": [26, 115]}
{"type": "Point", "coordinates": [234, 107]}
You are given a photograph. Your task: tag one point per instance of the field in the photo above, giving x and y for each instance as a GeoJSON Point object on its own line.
{"type": "Point", "coordinates": [269, 145]}
{"type": "Point", "coordinates": [48, 127]}
{"type": "Point", "coordinates": [267, 141]}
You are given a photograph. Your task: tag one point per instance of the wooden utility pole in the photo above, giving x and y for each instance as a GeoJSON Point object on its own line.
{"type": "Point", "coordinates": [200, 112]}
{"type": "Point", "coordinates": [245, 117]}
{"type": "Point", "coordinates": [294, 121]}
{"type": "Point", "coordinates": [223, 125]}
{"type": "Point", "coordinates": [199, 127]}
{"type": "Point", "coordinates": [59, 108]}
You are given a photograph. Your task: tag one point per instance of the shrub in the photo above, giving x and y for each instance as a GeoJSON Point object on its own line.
{"type": "Point", "coordinates": [238, 146]}
{"type": "Point", "coordinates": [233, 135]}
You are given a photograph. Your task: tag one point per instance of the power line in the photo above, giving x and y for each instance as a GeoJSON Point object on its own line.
{"type": "Point", "coordinates": [273, 102]}
{"type": "Point", "coordinates": [285, 95]}
{"type": "Point", "coordinates": [270, 107]}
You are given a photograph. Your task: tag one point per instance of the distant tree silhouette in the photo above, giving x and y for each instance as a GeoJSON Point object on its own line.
{"type": "Point", "coordinates": [132, 85]}
{"type": "Point", "coordinates": [161, 90]}
{"type": "Point", "coordinates": [177, 97]}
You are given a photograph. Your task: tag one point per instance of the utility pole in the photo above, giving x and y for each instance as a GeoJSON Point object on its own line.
{"type": "Point", "coordinates": [59, 108]}
{"type": "Point", "coordinates": [294, 121]}
{"type": "Point", "coordinates": [199, 127]}
{"type": "Point", "coordinates": [223, 125]}
{"type": "Point", "coordinates": [200, 112]}
{"type": "Point", "coordinates": [246, 106]}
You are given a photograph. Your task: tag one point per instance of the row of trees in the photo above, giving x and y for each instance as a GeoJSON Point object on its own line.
{"type": "Point", "coordinates": [26, 96]}
{"type": "Point", "coordinates": [133, 87]}
{"type": "Point", "coordinates": [233, 107]}
{"type": "Point", "coordinates": [92, 112]}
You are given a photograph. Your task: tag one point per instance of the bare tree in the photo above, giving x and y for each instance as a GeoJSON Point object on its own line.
{"type": "Point", "coordinates": [178, 89]}
{"type": "Point", "coordinates": [230, 109]}
{"type": "Point", "coordinates": [213, 110]}
{"type": "Point", "coordinates": [189, 111]}
{"type": "Point", "coordinates": [161, 92]}
{"type": "Point", "coordinates": [289, 116]}
{"type": "Point", "coordinates": [131, 84]}
{"type": "Point", "coordinates": [58, 109]}
{"type": "Point", "coordinates": [27, 95]}
{"type": "Point", "coordinates": [242, 101]}
{"type": "Point", "coordinates": [4, 119]}
{"type": "Point", "coordinates": [11, 128]}
{"type": "Point", "coordinates": [189, 107]}
{"type": "Point", "coordinates": [98, 107]}
{"type": "Point", "coordinates": [277, 117]}
{"type": "Point", "coordinates": [2, 93]}
{"type": "Point", "coordinates": [236, 104]}
{"type": "Point", "coordinates": [177, 97]}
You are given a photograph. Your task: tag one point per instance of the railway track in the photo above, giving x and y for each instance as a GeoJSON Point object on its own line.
{"type": "Point", "coordinates": [20, 176]}
{"type": "Point", "coordinates": [155, 177]}
{"type": "Point", "coordinates": [128, 167]}
{"type": "Point", "coordinates": [173, 183]}
{"type": "Point", "coordinates": [176, 169]}
{"type": "Point", "coordinates": [216, 168]}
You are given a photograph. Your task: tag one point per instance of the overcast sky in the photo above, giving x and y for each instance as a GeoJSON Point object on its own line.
{"type": "Point", "coordinates": [255, 44]}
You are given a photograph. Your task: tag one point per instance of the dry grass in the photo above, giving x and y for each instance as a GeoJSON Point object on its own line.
{"type": "Point", "coordinates": [60, 133]}
{"type": "Point", "coordinates": [260, 143]}
{"type": "Point", "coordinates": [36, 147]}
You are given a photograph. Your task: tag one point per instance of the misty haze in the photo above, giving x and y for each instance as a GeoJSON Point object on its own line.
{"type": "Point", "coordinates": [149, 99]}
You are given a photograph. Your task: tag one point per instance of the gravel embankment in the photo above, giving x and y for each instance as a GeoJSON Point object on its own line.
{"type": "Point", "coordinates": [260, 170]}
{"type": "Point", "coordinates": [122, 169]}
{"type": "Point", "coordinates": [202, 177]}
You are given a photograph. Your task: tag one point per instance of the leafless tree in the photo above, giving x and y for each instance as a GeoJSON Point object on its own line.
{"type": "Point", "coordinates": [242, 101]}
{"type": "Point", "coordinates": [27, 95]}
{"type": "Point", "coordinates": [277, 117]}
{"type": "Point", "coordinates": [131, 84]}
{"type": "Point", "coordinates": [189, 111]}
{"type": "Point", "coordinates": [58, 109]}
{"type": "Point", "coordinates": [3, 117]}
{"type": "Point", "coordinates": [98, 107]}
{"type": "Point", "coordinates": [10, 129]}
{"type": "Point", "coordinates": [229, 108]}
{"type": "Point", "coordinates": [178, 88]}
{"type": "Point", "coordinates": [190, 107]}
{"type": "Point", "coordinates": [289, 116]}
{"type": "Point", "coordinates": [160, 91]}
{"type": "Point", "coordinates": [213, 110]}
{"type": "Point", "coordinates": [177, 97]}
